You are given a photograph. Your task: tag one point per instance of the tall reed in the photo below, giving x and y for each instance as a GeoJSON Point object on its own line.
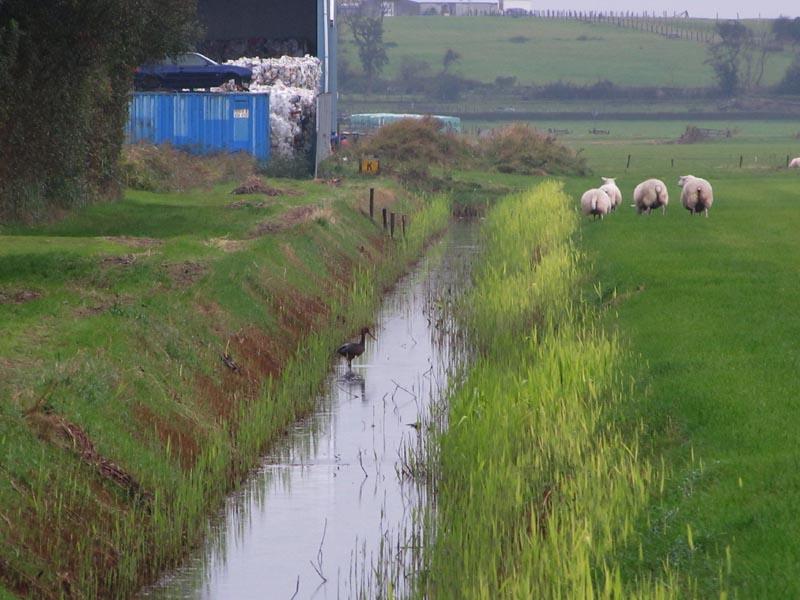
{"type": "Point", "coordinates": [538, 486]}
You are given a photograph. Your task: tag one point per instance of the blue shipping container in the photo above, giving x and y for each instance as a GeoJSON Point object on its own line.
{"type": "Point", "coordinates": [202, 123]}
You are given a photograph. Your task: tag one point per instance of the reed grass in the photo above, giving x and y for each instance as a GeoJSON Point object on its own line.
{"type": "Point", "coordinates": [538, 485]}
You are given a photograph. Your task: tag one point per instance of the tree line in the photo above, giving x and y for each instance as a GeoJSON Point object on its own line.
{"type": "Point", "coordinates": [740, 55]}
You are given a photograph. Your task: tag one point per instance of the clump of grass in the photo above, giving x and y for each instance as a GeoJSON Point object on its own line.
{"type": "Point", "coordinates": [415, 145]}
{"type": "Point", "coordinates": [519, 148]}
{"type": "Point", "coordinates": [298, 166]}
{"type": "Point", "coordinates": [168, 169]}
{"type": "Point", "coordinates": [538, 484]}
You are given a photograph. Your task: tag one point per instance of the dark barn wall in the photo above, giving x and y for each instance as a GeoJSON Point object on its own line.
{"type": "Point", "coordinates": [260, 19]}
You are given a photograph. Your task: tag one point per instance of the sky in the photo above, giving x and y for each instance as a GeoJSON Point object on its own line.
{"type": "Point", "coordinates": [746, 9]}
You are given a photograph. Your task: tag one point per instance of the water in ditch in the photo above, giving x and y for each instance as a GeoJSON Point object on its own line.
{"type": "Point", "coordinates": [338, 495]}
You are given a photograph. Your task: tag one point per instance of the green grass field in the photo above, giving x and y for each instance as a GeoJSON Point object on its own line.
{"type": "Point", "coordinates": [762, 146]}
{"type": "Point", "coordinates": [552, 51]}
{"type": "Point", "coordinates": [709, 313]}
{"type": "Point", "coordinates": [710, 306]}
{"type": "Point", "coordinates": [622, 133]}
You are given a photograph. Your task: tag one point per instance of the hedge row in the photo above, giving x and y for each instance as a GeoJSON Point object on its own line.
{"type": "Point", "coordinates": [66, 68]}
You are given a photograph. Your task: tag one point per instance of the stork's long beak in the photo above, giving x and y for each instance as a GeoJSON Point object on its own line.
{"type": "Point", "coordinates": [369, 333]}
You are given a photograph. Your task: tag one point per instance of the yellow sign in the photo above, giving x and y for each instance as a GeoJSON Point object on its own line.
{"type": "Point", "coordinates": [370, 166]}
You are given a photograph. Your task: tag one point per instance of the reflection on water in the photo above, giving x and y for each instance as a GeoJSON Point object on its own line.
{"type": "Point", "coordinates": [327, 499]}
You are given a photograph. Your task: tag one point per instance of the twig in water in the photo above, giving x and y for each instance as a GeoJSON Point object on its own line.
{"type": "Point", "coordinates": [360, 462]}
{"type": "Point", "coordinates": [398, 386]}
{"type": "Point", "coordinates": [296, 589]}
{"type": "Point", "coordinates": [318, 566]}
{"type": "Point", "coordinates": [322, 541]}
{"type": "Point", "coordinates": [348, 392]}
{"type": "Point", "coordinates": [324, 579]}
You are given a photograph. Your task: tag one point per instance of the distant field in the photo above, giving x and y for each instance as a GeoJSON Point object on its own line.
{"type": "Point", "coordinates": [660, 131]}
{"type": "Point", "coordinates": [510, 105]}
{"type": "Point", "coordinates": [550, 51]}
{"type": "Point", "coordinates": [762, 145]}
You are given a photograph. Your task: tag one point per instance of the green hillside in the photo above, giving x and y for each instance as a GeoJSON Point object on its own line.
{"type": "Point", "coordinates": [546, 51]}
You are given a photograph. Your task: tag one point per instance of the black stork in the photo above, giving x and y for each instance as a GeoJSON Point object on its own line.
{"type": "Point", "coordinates": [350, 350]}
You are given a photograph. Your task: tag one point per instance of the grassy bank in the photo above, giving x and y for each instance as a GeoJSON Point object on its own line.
{"type": "Point", "coordinates": [152, 347]}
{"type": "Point", "coordinates": [541, 479]}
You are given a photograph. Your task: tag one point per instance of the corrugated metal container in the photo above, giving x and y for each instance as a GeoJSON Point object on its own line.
{"type": "Point", "coordinates": [203, 123]}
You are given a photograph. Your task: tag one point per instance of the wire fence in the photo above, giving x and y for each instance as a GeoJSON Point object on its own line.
{"type": "Point", "coordinates": [670, 27]}
{"type": "Point", "coordinates": [681, 164]}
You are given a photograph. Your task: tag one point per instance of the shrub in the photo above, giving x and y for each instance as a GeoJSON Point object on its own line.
{"type": "Point", "coordinates": [505, 82]}
{"type": "Point", "coordinates": [692, 135]}
{"type": "Point", "coordinates": [518, 148]}
{"type": "Point", "coordinates": [560, 90]}
{"type": "Point", "coordinates": [413, 74]}
{"type": "Point", "coordinates": [297, 166]}
{"type": "Point", "coordinates": [167, 169]}
{"type": "Point", "coordinates": [448, 87]}
{"type": "Point", "coordinates": [415, 143]}
{"type": "Point", "coordinates": [790, 84]}
{"type": "Point", "coordinates": [65, 74]}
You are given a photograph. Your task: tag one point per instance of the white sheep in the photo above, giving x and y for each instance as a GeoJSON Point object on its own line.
{"type": "Point", "coordinates": [610, 187]}
{"type": "Point", "coordinates": [795, 163]}
{"type": "Point", "coordinates": [697, 195]}
{"type": "Point", "coordinates": [595, 202]}
{"type": "Point", "coordinates": [650, 194]}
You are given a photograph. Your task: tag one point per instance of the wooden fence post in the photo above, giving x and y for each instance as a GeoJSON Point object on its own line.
{"type": "Point", "coordinates": [372, 204]}
{"type": "Point", "coordinates": [391, 224]}
{"type": "Point", "coordinates": [629, 162]}
{"type": "Point", "coordinates": [383, 211]}
{"type": "Point", "coordinates": [741, 160]}
{"type": "Point", "coordinates": [403, 223]}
